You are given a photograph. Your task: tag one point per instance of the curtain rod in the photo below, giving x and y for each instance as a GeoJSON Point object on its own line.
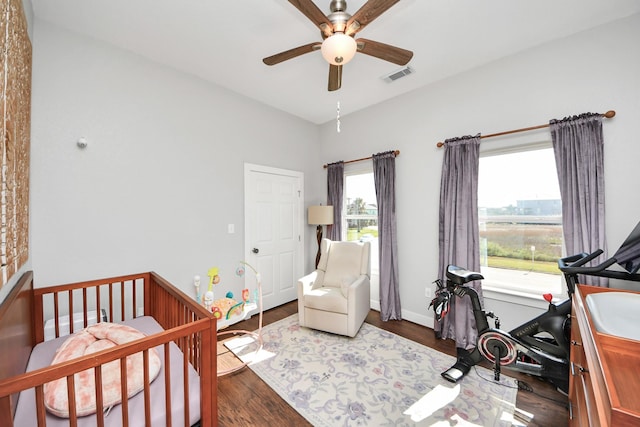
{"type": "Point", "coordinates": [609, 114]}
{"type": "Point", "coordinates": [364, 158]}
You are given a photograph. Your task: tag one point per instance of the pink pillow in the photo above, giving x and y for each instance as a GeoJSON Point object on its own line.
{"type": "Point", "coordinates": [92, 339]}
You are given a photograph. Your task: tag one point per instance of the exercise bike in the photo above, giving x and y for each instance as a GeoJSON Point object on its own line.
{"type": "Point", "coordinates": [539, 347]}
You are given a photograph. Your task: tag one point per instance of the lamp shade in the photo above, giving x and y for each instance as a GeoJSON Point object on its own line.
{"type": "Point", "coordinates": [338, 49]}
{"type": "Point", "coordinates": [320, 215]}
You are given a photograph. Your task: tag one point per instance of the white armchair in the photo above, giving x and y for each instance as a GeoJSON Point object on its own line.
{"type": "Point", "coordinates": [336, 296]}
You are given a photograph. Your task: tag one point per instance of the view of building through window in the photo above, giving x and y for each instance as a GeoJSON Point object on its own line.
{"type": "Point", "coordinates": [361, 211]}
{"type": "Point", "coordinates": [520, 215]}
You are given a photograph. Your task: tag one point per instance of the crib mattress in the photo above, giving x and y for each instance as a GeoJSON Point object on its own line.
{"type": "Point", "coordinates": [42, 356]}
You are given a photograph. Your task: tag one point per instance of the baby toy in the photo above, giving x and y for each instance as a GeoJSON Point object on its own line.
{"type": "Point", "coordinates": [196, 283]}
{"type": "Point", "coordinates": [214, 278]}
{"type": "Point", "coordinates": [237, 308]}
{"type": "Point", "coordinates": [217, 313]}
{"type": "Point", "coordinates": [225, 307]}
{"type": "Point", "coordinates": [208, 300]}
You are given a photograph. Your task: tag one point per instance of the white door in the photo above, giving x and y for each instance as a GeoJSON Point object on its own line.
{"type": "Point", "coordinates": [274, 211]}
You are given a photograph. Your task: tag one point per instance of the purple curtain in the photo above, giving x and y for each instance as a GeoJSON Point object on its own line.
{"type": "Point", "coordinates": [335, 191]}
{"type": "Point", "coordinates": [459, 233]}
{"type": "Point", "coordinates": [384, 174]}
{"type": "Point", "coordinates": [578, 145]}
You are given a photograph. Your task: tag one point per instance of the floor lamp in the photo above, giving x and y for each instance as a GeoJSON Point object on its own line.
{"type": "Point", "coordinates": [320, 215]}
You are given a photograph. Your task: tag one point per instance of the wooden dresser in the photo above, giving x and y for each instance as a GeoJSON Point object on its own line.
{"type": "Point", "coordinates": [604, 383]}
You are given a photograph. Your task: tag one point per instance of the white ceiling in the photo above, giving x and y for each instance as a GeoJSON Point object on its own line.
{"type": "Point", "coordinates": [224, 41]}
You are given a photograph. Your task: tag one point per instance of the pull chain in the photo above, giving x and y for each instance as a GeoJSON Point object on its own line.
{"type": "Point", "coordinates": [338, 117]}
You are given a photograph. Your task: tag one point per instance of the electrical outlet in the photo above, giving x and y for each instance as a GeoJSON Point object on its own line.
{"type": "Point", "coordinates": [427, 292]}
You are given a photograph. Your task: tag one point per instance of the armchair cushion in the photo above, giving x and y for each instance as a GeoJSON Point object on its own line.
{"type": "Point", "coordinates": [326, 298]}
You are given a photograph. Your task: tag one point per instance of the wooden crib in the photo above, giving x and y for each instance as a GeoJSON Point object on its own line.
{"type": "Point", "coordinates": [187, 330]}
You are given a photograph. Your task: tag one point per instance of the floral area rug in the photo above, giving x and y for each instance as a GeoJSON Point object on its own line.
{"type": "Point", "coordinates": [375, 379]}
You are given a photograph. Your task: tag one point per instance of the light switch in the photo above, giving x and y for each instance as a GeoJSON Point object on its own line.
{"type": "Point", "coordinates": [231, 228]}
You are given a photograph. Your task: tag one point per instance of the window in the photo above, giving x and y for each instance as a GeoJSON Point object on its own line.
{"type": "Point", "coordinates": [361, 211]}
{"type": "Point", "coordinates": [520, 215]}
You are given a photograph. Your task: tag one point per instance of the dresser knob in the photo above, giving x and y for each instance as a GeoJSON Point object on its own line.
{"type": "Point", "coordinates": [574, 342]}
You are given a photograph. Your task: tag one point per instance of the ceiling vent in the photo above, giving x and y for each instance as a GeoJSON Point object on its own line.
{"type": "Point", "coordinates": [398, 74]}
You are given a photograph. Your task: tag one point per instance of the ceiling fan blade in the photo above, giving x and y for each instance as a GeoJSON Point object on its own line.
{"type": "Point", "coordinates": [315, 15]}
{"type": "Point", "coordinates": [335, 77]}
{"type": "Point", "coordinates": [291, 53]}
{"type": "Point", "coordinates": [384, 51]}
{"type": "Point", "coordinates": [367, 13]}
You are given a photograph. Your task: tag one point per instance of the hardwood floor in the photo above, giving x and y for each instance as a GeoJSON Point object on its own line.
{"type": "Point", "coordinates": [245, 400]}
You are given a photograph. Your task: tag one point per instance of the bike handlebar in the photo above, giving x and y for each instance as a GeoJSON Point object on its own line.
{"type": "Point", "coordinates": [574, 264]}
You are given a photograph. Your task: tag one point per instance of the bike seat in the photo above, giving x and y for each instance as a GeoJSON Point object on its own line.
{"type": "Point", "coordinates": [460, 276]}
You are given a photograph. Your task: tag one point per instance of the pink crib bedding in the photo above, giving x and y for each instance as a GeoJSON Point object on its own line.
{"type": "Point", "coordinates": [94, 338]}
{"type": "Point", "coordinates": [44, 353]}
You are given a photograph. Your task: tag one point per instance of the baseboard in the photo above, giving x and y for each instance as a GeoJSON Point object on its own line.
{"type": "Point", "coordinates": [411, 316]}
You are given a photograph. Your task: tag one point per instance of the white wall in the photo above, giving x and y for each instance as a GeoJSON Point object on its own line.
{"type": "Point", "coordinates": [593, 71]}
{"type": "Point", "coordinates": [162, 174]}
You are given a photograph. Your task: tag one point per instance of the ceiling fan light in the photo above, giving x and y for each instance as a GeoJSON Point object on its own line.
{"type": "Point", "coordinates": [338, 49]}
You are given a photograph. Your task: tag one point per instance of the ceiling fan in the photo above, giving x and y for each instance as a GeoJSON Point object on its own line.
{"type": "Point", "coordinates": [337, 29]}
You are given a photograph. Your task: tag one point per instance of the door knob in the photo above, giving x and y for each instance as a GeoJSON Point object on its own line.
{"type": "Point", "coordinates": [255, 250]}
